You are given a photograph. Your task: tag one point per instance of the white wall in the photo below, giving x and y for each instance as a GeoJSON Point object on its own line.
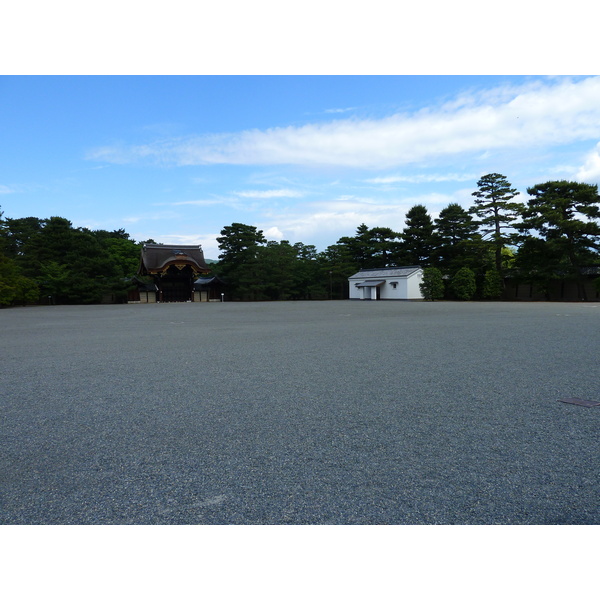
{"type": "Point", "coordinates": [354, 293]}
{"type": "Point", "coordinates": [406, 289]}
{"type": "Point", "coordinates": [414, 291]}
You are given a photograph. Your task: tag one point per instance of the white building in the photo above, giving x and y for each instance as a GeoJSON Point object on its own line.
{"type": "Point", "coordinates": [392, 283]}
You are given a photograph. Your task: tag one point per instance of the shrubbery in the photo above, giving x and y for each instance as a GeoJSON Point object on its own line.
{"type": "Point", "coordinates": [492, 285]}
{"type": "Point", "coordinates": [432, 285]}
{"type": "Point", "coordinates": [463, 284]}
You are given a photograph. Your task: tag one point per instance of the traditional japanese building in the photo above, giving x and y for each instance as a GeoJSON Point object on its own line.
{"type": "Point", "coordinates": [174, 270]}
{"type": "Point", "coordinates": [390, 283]}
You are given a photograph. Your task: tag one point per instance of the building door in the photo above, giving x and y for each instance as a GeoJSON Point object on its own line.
{"type": "Point", "coordinates": [176, 285]}
{"type": "Point", "coordinates": [176, 290]}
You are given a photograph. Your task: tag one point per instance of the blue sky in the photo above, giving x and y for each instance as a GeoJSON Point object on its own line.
{"type": "Point", "coordinates": [304, 158]}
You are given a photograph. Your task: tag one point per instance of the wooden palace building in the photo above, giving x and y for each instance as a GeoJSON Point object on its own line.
{"type": "Point", "coordinates": [170, 273]}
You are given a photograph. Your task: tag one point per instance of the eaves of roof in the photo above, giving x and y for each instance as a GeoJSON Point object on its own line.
{"type": "Point", "coordinates": [402, 272]}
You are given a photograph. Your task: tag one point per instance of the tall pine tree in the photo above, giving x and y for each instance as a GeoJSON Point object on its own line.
{"type": "Point", "coordinates": [495, 210]}
{"type": "Point", "coordinates": [417, 237]}
{"type": "Point", "coordinates": [456, 239]}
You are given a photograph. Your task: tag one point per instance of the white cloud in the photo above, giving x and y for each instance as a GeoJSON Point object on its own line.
{"type": "Point", "coordinates": [4, 189]}
{"type": "Point", "coordinates": [340, 110]}
{"type": "Point", "coordinates": [190, 240]}
{"type": "Point", "coordinates": [273, 233]}
{"type": "Point", "coordinates": [327, 221]}
{"type": "Point", "coordinates": [590, 171]}
{"type": "Point", "coordinates": [209, 244]}
{"type": "Point", "coordinates": [433, 178]}
{"type": "Point", "coordinates": [551, 112]}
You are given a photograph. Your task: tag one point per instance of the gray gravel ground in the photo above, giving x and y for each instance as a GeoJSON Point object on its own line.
{"type": "Point", "coordinates": [300, 413]}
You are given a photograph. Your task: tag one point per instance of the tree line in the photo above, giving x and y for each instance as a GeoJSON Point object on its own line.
{"type": "Point", "coordinates": [465, 252]}
{"type": "Point", "coordinates": [51, 262]}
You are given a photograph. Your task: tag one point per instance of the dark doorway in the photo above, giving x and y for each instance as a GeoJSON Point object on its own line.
{"type": "Point", "coordinates": [176, 285]}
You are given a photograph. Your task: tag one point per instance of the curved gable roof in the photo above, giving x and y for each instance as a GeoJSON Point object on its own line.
{"type": "Point", "coordinates": [158, 257]}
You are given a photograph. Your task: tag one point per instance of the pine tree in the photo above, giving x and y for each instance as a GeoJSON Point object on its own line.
{"type": "Point", "coordinates": [417, 237]}
{"type": "Point", "coordinates": [565, 215]}
{"type": "Point", "coordinates": [239, 265]}
{"type": "Point", "coordinates": [457, 243]}
{"type": "Point", "coordinates": [495, 210]}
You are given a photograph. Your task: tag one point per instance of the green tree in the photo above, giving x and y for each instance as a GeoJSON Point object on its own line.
{"type": "Point", "coordinates": [463, 284]}
{"type": "Point", "coordinates": [385, 247]}
{"type": "Point", "coordinates": [54, 279]}
{"type": "Point", "coordinates": [432, 284]}
{"type": "Point", "coordinates": [277, 263]}
{"type": "Point", "coordinates": [357, 246]}
{"type": "Point", "coordinates": [239, 242]}
{"type": "Point", "coordinates": [14, 287]}
{"type": "Point", "coordinates": [372, 248]}
{"type": "Point", "coordinates": [3, 234]}
{"type": "Point", "coordinates": [77, 254]}
{"type": "Point", "coordinates": [457, 243]}
{"type": "Point", "coordinates": [124, 254]}
{"type": "Point", "coordinates": [336, 265]}
{"type": "Point", "coordinates": [492, 285]}
{"type": "Point", "coordinates": [239, 260]}
{"type": "Point", "coordinates": [496, 211]}
{"type": "Point", "coordinates": [539, 263]}
{"type": "Point", "coordinates": [17, 233]}
{"type": "Point", "coordinates": [309, 280]}
{"type": "Point", "coordinates": [417, 237]}
{"type": "Point", "coordinates": [564, 214]}
{"type": "Point", "coordinates": [8, 283]}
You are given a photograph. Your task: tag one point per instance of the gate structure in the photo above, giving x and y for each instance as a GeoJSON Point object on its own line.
{"type": "Point", "coordinates": [174, 269]}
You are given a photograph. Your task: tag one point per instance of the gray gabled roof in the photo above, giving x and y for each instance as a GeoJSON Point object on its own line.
{"type": "Point", "coordinates": [371, 283]}
{"type": "Point", "coordinates": [386, 272]}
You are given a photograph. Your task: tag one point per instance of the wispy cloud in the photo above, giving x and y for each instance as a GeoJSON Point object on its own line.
{"type": "Point", "coordinates": [160, 216]}
{"type": "Point", "coordinates": [234, 202]}
{"type": "Point", "coordinates": [590, 171]}
{"type": "Point", "coordinates": [432, 178]}
{"type": "Point", "coordinates": [270, 194]}
{"type": "Point", "coordinates": [340, 110]}
{"type": "Point", "coordinates": [330, 219]}
{"type": "Point", "coordinates": [215, 202]}
{"type": "Point", "coordinates": [206, 241]}
{"type": "Point", "coordinates": [552, 112]}
{"type": "Point", "coordinates": [4, 189]}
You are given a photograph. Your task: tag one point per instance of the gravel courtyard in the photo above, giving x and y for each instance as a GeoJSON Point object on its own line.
{"type": "Point", "coordinates": [341, 412]}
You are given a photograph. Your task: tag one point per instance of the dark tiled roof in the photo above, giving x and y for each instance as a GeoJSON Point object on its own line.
{"type": "Point", "coordinates": [385, 272]}
{"type": "Point", "coordinates": [206, 282]}
{"type": "Point", "coordinates": [158, 257]}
